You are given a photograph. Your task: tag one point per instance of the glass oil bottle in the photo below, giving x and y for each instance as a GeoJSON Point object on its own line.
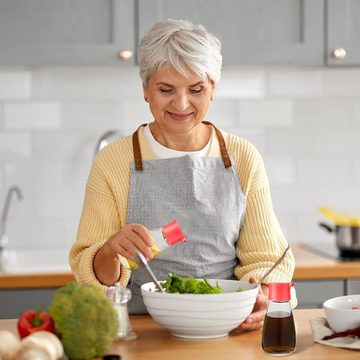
{"type": "Point", "coordinates": [164, 237]}
{"type": "Point", "coordinates": [279, 334]}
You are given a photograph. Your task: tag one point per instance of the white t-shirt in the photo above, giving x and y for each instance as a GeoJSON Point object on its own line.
{"type": "Point", "coordinates": [165, 153]}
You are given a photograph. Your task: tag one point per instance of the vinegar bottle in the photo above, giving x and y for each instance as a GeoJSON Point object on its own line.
{"type": "Point", "coordinates": [279, 335]}
{"type": "Point", "coordinates": [164, 237]}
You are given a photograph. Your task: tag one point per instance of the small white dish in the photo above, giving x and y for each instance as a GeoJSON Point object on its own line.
{"type": "Point", "coordinates": [343, 312]}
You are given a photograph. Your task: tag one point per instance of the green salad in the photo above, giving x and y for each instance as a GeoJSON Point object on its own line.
{"type": "Point", "coordinates": [177, 284]}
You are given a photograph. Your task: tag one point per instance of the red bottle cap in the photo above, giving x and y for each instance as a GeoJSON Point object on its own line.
{"type": "Point", "coordinates": [280, 291]}
{"type": "Point", "coordinates": [172, 233]}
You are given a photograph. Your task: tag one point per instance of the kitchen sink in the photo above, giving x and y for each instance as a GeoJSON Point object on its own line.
{"type": "Point", "coordinates": [24, 260]}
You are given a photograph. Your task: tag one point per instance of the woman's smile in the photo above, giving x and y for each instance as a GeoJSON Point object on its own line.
{"type": "Point", "coordinates": [180, 117]}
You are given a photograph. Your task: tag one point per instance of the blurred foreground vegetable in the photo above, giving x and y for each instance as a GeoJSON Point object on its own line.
{"type": "Point", "coordinates": [190, 285]}
{"type": "Point", "coordinates": [31, 321]}
{"type": "Point", "coordinates": [39, 345]}
{"type": "Point", "coordinates": [85, 320]}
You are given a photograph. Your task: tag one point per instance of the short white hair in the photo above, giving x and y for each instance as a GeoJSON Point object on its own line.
{"type": "Point", "coordinates": [180, 44]}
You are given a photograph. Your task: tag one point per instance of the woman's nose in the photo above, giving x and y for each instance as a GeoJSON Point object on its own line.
{"type": "Point", "coordinates": [181, 102]}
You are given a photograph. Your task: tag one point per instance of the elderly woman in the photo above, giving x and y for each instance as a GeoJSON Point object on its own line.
{"type": "Point", "coordinates": [180, 167]}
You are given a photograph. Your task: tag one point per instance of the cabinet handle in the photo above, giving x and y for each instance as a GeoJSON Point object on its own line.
{"type": "Point", "coordinates": [125, 55]}
{"type": "Point", "coordinates": [339, 54]}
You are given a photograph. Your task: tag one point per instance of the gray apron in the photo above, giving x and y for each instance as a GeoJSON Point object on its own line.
{"type": "Point", "coordinates": [205, 196]}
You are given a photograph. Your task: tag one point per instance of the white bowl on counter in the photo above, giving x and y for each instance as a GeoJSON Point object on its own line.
{"type": "Point", "coordinates": [201, 316]}
{"type": "Point", "coordinates": [343, 312]}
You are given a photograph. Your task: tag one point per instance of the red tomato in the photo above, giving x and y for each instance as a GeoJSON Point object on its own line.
{"type": "Point", "coordinates": [31, 321]}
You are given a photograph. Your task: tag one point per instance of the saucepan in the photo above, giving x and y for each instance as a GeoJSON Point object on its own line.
{"type": "Point", "coordinates": [346, 229]}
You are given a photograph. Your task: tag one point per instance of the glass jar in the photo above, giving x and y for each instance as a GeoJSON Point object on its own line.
{"type": "Point", "coordinates": [279, 335]}
{"type": "Point", "coordinates": [120, 296]}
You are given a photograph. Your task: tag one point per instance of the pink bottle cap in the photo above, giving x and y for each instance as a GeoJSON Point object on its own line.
{"type": "Point", "coordinates": [280, 291]}
{"type": "Point", "coordinates": [173, 233]}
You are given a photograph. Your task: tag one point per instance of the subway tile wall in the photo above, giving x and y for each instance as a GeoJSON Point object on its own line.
{"type": "Point", "coordinates": [304, 121]}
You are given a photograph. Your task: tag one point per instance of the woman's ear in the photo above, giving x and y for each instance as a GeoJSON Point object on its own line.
{"type": "Point", "coordinates": [145, 92]}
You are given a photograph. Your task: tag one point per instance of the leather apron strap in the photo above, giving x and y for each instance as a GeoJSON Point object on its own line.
{"type": "Point", "coordinates": [137, 151]}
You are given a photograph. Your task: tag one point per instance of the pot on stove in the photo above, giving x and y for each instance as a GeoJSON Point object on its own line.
{"type": "Point", "coordinates": [347, 238]}
{"type": "Point", "coordinates": [346, 230]}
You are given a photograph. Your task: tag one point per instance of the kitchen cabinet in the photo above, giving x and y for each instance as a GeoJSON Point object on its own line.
{"type": "Point", "coordinates": [66, 32]}
{"type": "Point", "coordinates": [257, 32]}
{"type": "Point", "coordinates": [343, 32]}
{"type": "Point", "coordinates": [15, 301]}
{"type": "Point", "coordinates": [253, 32]}
{"type": "Point", "coordinates": [312, 294]}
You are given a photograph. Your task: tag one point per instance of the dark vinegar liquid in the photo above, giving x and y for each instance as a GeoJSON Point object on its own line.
{"type": "Point", "coordinates": [279, 336]}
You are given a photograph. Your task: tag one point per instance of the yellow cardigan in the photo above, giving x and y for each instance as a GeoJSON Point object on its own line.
{"type": "Point", "coordinates": [261, 240]}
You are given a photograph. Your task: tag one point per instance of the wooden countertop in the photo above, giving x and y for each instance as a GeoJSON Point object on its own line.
{"type": "Point", "coordinates": [309, 266]}
{"type": "Point", "coordinates": [31, 281]}
{"type": "Point", "coordinates": [155, 342]}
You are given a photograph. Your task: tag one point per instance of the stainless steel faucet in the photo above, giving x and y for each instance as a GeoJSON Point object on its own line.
{"type": "Point", "coordinates": [4, 215]}
{"type": "Point", "coordinates": [105, 139]}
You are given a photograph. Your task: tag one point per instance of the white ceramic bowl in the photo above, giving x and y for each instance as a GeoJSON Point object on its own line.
{"type": "Point", "coordinates": [201, 316]}
{"type": "Point", "coordinates": [340, 314]}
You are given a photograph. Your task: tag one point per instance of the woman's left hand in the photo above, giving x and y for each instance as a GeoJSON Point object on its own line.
{"type": "Point", "coordinates": [255, 320]}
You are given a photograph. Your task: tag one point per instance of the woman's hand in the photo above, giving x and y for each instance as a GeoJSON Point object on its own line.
{"type": "Point", "coordinates": [128, 240]}
{"type": "Point", "coordinates": [255, 320]}
{"type": "Point", "coordinates": [125, 242]}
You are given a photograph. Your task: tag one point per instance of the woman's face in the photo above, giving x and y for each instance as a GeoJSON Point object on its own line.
{"type": "Point", "coordinates": [178, 103]}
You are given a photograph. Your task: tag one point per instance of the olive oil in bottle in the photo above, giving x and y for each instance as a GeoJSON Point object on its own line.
{"type": "Point", "coordinates": [279, 335]}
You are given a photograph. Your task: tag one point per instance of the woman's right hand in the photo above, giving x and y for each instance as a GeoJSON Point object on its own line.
{"type": "Point", "coordinates": [128, 240]}
{"type": "Point", "coordinates": [125, 242]}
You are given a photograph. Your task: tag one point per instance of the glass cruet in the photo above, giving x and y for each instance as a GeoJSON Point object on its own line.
{"type": "Point", "coordinates": [120, 295]}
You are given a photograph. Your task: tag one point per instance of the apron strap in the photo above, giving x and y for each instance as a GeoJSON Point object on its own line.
{"type": "Point", "coordinates": [137, 151]}
{"type": "Point", "coordinates": [224, 153]}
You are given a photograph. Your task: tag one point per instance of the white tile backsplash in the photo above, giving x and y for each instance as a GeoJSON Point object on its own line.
{"type": "Point", "coordinates": [344, 141]}
{"type": "Point", "coordinates": [356, 118]}
{"type": "Point", "coordinates": [292, 141]}
{"type": "Point", "coordinates": [266, 113]}
{"type": "Point", "coordinates": [97, 115]}
{"type": "Point", "coordinates": [32, 115]}
{"type": "Point", "coordinates": [15, 145]}
{"type": "Point", "coordinates": [131, 113]}
{"type": "Point", "coordinates": [1, 116]}
{"type": "Point", "coordinates": [324, 113]}
{"type": "Point", "coordinates": [342, 83]}
{"type": "Point", "coordinates": [241, 83]}
{"type": "Point", "coordinates": [294, 82]}
{"type": "Point", "coordinates": [328, 171]}
{"type": "Point", "coordinates": [15, 84]}
{"type": "Point", "coordinates": [41, 174]}
{"type": "Point", "coordinates": [224, 111]}
{"type": "Point", "coordinates": [280, 169]}
{"type": "Point", "coordinates": [86, 83]}
{"type": "Point", "coordinates": [357, 170]}
{"type": "Point", "coordinates": [304, 121]}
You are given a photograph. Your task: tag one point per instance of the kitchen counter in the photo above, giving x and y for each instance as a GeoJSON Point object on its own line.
{"type": "Point", "coordinates": [309, 266]}
{"type": "Point", "coordinates": [30, 281]}
{"type": "Point", "coordinates": [155, 342]}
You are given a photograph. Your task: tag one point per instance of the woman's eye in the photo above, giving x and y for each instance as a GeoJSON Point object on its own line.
{"type": "Point", "coordinates": [166, 91]}
{"type": "Point", "coordinates": [196, 91]}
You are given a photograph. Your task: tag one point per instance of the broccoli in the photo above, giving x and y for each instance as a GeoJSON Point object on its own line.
{"type": "Point", "coordinates": [85, 320]}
